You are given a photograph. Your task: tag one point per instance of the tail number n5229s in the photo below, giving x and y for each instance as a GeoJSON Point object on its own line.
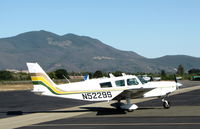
{"type": "Point", "coordinates": [97, 95]}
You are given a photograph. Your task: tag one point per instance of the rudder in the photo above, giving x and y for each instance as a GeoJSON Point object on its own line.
{"type": "Point", "coordinates": [41, 81]}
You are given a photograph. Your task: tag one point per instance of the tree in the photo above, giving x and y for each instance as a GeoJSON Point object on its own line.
{"type": "Point", "coordinates": [60, 73]}
{"type": "Point", "coordinates": [6, 75]}
{"type": "Point", "coordinates": [98, 74]}
{"type": "Point", "coordinates": [163, 74]}
{"type": "Point", "coordinates": [194, 71]}
{"type": "Point", "coordinates": [52, 75]}
{"type": "Point", "coordinates": [180, 70]}
{"type": "Point", "coordinates": [117, 73]}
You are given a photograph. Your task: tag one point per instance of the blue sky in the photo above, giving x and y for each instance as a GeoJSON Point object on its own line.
{"type": "Point", "coordinates": [152, 28]}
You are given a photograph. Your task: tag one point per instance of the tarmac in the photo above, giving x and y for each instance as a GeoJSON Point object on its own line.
{"type": "Point", "coordinates": [53, 113]}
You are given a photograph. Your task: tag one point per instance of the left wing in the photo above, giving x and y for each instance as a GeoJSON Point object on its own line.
{"type": "Point", "coordinates": [132, 93]}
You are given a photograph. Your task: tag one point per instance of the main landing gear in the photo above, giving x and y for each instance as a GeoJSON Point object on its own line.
{"type": "Point", "coordinates": [128, 106]}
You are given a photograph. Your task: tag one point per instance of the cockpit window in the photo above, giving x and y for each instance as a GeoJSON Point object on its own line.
{"type": "Point", "coordinates": [142, 80]}
{"type": "Point", "coordinates": [132, 81]}
{"type": "Point", "coordinates": [105, 84]}
{"type": "Point", "coordinates": [120, 83]}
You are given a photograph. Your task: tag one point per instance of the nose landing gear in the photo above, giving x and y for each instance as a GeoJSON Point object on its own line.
{"type": "Point", "coordinates": [166, 104]}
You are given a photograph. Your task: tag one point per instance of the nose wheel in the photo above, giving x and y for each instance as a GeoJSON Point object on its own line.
{"type": "Point", "coordinates": [166, 104]}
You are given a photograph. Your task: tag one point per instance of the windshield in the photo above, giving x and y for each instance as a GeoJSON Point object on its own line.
{"type": "Point", "coordinates": [132, 81]}
{"type": "Point", "coordinates": [142, 80]}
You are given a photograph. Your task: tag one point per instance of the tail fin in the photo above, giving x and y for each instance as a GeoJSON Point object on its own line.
{"type": "Point", "coordinates": [86, 77]}
{"type": "Point", "coordinates": [41, 81]}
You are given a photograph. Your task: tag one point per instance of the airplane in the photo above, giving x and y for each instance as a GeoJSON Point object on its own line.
{"type": "Point", "coordinates": [125, 87]}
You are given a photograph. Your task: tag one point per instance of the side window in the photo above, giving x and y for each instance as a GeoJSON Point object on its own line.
{"type": "Point", "coordinates": [132, 81]}
{"type": "Point", "coordinates": [120, 83]}
{"type": "Point", "coordinates": [106, 85]}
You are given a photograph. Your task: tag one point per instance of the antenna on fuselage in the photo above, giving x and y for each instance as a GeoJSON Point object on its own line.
{"type": "Point", "coordinates": [111, 75]}
{"type": "Point", "coordinates": [123, 74]}
{"type": "Point", "coordinates": [66, 79]}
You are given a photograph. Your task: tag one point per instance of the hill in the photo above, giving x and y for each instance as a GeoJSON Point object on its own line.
{"type": "Point", "coordinates": [80, 53]}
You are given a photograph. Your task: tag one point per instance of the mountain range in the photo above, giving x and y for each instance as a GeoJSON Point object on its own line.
{"type": "Point", "coordinates": [80, 53]}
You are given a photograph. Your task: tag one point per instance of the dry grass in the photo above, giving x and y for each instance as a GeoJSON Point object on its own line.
{"type": "Point", "coordinates": [26, 85]}
{"type": "Point", "coordinates": [7, 87]}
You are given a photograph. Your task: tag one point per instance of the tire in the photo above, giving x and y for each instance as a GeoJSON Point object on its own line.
{"type": "Point", "coordinates": [130, 110]}
{"type": "Point", "coordinates": [166, 105]}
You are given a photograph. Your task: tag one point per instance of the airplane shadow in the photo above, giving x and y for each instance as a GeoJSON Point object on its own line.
{"type": "Point", "coordinates": [98, 110]}
{"type": "Point", "coordinates": [105, 111]}
{"type": "Point", "coordinates": [42, 111]}
{"type": "Point", "coordinates": [149, 108]}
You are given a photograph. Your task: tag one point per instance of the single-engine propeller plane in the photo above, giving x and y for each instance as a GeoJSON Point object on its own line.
{"type": "Point", "coordinates": [125, 87]}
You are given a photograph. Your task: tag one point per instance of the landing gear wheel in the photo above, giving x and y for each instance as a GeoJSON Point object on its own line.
{"type": "Point", "coordinates": [166, 104]}
{"type": "Point", "coordinates": [130, 110]}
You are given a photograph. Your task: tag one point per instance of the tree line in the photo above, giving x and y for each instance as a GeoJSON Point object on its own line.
{"type": "Point", "coordinates": [62, 74]}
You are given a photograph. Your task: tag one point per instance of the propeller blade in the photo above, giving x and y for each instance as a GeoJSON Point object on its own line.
{"type": "Point", "coordinates": [151, 78]}
{"type": "Point", "coordinates": [175, 79]}
{"type": "Point", "coordinates": [178, 85]}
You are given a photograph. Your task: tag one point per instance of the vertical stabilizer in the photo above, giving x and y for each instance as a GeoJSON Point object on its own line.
{"type": "Point", "coordinates": [86, 77]}
{"type": "Point", "coordinates": [41, 81]}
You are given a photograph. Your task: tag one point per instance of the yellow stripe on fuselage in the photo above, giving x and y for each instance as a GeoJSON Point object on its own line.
{"type": "Point", "coordinates": [42, 79]}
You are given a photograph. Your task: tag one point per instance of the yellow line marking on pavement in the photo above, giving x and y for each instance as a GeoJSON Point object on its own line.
{"type": "Point", "coordinates": [35, 118]}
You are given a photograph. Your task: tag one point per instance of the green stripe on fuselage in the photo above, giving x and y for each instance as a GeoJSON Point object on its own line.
{"type": "Point", "coordinates": [41, 83]}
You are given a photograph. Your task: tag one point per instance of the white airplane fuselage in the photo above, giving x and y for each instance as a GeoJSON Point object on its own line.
{"type": "Point", "coordinates": [90, 90]}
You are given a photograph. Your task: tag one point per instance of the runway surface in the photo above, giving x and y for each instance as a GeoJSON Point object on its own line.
{"type": "Point", "coordinates": [184, 113]}
{"type": "Point", "coordinates": [28, 102]}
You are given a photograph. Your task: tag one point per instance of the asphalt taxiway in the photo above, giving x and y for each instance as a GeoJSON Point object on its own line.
{"type": "Point", "coordinates": [27, 102]}
{"type": "Point", "coordinates": [184, 113]}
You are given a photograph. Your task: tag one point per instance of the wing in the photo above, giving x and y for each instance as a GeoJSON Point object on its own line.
{"type": "Point", "coordinates": [132, 93]}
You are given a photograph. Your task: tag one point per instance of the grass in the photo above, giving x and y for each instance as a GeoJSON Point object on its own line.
{"type": "Point", "coordinates": [26, 85]}
{"type": "Point", "coordinates": [7, 87]}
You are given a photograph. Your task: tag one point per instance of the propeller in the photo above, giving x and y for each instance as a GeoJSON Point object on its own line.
{"type": "Point", "coordinates": [178, 85]}
{"type": "Point", "coordinates": [151, 78]}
